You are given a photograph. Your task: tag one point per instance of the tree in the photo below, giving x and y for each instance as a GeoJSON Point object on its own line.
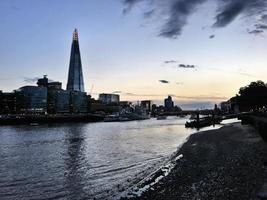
{"type": "Point", "coordinates": [253, 96]}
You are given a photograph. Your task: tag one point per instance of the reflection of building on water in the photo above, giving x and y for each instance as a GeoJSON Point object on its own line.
{"type": "Point", "coordinates": [75, 162]}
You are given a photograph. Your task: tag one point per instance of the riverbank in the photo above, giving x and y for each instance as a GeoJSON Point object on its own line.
{"type": "Point", "coordinates": [227, 163]}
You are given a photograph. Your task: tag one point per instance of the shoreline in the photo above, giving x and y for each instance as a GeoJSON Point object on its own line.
{"type": "Point", "coordinates": [225, 163]}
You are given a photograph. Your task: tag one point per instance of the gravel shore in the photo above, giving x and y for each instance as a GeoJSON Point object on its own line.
{"type": "Point", "coordinates": [228, 163]}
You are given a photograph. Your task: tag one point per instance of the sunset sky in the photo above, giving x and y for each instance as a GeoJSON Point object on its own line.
{"type": "Point", "coordinates": [199, 51]}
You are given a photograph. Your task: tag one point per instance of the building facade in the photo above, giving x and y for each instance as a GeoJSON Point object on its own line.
{"type": "Point", "coordinates": [78, 102]}
{"type": "Point", "coordinates": [10, 102]}
{"type": "Point", "coordinates": [109, 98]}
{"type": "Point", "coordinates": [34, 98]}
{"type": "Point", "coordinates": [75, 77]}
{"type": "Point", "coordinates": [168, 103]}
{"type": "Point", "coordinates": [147, 105]}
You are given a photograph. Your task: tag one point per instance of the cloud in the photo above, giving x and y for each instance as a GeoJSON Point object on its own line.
{"type": "Point", "coordinates": [212, 36]}
{"type": "Point", "coordinates": [164, 81]}
{"type": "Point", "coordinates": [179, 11]}
{"type": "Point", "coordinates": [187, 66]}
{"type": "Point", "coordinates": [255, 32]}
{"type": "Point", "coordinates": [238, 72]}
{"type": "Point", "coordinates": [116, 92]}
{"type": "Point", "coordinates": [170, 61]}
{"type": "Point", "coordinates": [173, 14]}
{"type": "Point", "coordinates": [33, 79]}
{"type": "Point", "coordinates": [199, 97]}
{"type": "Point", "coordinates": [261, 26]}
{"type": "Point", "coordinates": [30, 79]}
{"type": "Point", "coordinates": [129, 4]}
{"type": "Point", "coordinates": [264, 18]}
{"type": "Point", "coordinates": [229, 11]}
{"type": "Point", "coordinates": [179, 83]}
{"type": "Point", "coordinates": [149, 14]}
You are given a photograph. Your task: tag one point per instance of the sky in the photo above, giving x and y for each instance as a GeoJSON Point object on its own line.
{"type": "Point", "coordinates": [198, 51]}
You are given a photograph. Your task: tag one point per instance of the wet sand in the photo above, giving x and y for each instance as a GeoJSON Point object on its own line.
{"type": "Point", "coordinates": [228, 163]}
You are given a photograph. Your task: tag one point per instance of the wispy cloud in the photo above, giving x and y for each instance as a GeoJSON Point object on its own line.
{"type": "Point", "coordinates": [261, 26]}
{"type": "Point", "coordinates": [174, 14]}
{"type": "Point", "coordinates": [237, 72]}
{"type": "Point", "coordinates": [185, 98]}
{"type": "Point", "coordinates": [30, 79]}
{"type": "Point", "coordinates": [255, 32]}
{"type": "Point", "coordinates": [179, 83]}
{"type": "Point", "coordinates": [116, 92]}
{"type": "Point", "coordinates": [200, 97]}
{"type": "Point", "coordinates": [170, 61]}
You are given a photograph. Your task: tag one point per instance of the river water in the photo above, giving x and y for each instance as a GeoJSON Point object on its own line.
{"type": "Point", "coordinates": [85, 160]}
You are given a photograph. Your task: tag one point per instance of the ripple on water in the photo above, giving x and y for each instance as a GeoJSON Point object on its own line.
{"type": "Point", "coordinates": [84, 161]}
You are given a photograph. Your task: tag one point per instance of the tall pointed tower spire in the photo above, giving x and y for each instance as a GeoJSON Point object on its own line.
{"type": "Point", "coordinates": [75, 78]}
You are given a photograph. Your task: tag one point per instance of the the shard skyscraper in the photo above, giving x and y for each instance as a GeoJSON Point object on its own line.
{"type": "Point", "coordinates": [75, 78]}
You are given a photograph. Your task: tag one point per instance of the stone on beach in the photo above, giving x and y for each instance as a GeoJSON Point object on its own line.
{"type": "Point", "coordinates": [227, 163]}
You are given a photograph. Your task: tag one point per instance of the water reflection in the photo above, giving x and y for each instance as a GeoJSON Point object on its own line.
{"type": "Point", "coordinates": [84, 161]}
{"type": "Point", "coordinates": [75, 163]}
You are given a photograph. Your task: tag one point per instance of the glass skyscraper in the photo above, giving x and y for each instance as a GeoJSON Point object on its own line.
{"type": "Point", "coordinates": [75, 78]}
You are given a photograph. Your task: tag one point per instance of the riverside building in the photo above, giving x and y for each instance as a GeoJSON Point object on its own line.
{"type": "Point", "coordinates": [109, 98]}
{"type": "Point", "coordinates": [34, 99]}
{"type": "Point", "coordinates": [168, 103]}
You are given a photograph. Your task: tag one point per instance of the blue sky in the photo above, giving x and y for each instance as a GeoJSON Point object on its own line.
{"type": "Point", "coordinates": [124, 52]}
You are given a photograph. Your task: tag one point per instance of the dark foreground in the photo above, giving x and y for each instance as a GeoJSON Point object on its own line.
{"type": "Point", "coordinates": [227, 163]}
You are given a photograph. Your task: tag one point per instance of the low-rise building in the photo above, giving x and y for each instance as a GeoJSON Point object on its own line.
{"type": "Point", "coordinates": [34, 99]}
{"type": "Point", "coordinates": [146, 105]}
{"type": "Point", "coordinates": [109, 98]}
{"type": "Point", "coordinates": [8, 103]}
{"type": "Point", "coordinates": [78, 102]}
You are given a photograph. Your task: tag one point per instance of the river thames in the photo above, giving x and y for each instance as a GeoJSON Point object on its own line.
{"type": "Point", "coordinates": [84, 160]}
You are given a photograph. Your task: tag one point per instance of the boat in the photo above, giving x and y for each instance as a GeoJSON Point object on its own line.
{"type": "Point", "coordinates": [127, 116]}
{"type": "Point", "coordinates": [202, 122]}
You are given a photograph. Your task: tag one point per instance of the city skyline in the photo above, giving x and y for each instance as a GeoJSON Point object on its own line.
{"type": "Point", "coordinates": [123, 54]}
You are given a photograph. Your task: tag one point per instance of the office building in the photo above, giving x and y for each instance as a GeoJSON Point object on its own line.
{"type": "Point", "coordinates": [109, 98]}
{"type": "Point", "coordinates": [75, 77]}
{"type": "Point", "coordinates": [10, 102]}
{"type": "Point", "coordinates": [168, 103]}
{"type": "Point", "coordinates": [147, 105]}
{"type": "Point", "coordinates": [78, 102]}
{"type": "Point", "coordinates": [34, 98]}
